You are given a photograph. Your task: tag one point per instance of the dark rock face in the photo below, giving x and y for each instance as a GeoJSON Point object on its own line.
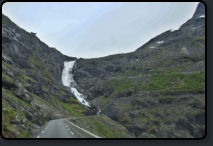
{"type": "Point", "coordinates": [200, 10]}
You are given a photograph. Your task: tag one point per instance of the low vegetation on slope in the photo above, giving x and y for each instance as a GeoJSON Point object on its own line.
{"type": "Point", "coordinates": [102, 126]}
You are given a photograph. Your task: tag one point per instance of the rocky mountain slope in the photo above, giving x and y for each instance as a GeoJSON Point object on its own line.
{"type": "Point", "coordinates": [32, 91]}
{"type": "Point", "coordinates": [158, 91]}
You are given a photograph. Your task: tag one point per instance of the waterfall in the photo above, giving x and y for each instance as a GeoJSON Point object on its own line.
{"type": "Point", "coordinates": [99, 111]}
{"type": "Point", "coordinates": [67, 80]}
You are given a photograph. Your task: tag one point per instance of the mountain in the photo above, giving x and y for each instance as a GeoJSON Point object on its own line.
{"type": "Point", "coordinates": [157, 91]}
{"type": "Point", "coordinates": [32, 91]}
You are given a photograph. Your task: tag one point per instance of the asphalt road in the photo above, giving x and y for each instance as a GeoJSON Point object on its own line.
{"type": "Point", "coordinates": [56, 129]}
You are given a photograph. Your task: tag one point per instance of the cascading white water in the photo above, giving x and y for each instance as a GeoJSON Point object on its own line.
{"type": "Point", "coordinates": [99, 111]}
{"type": "Point", "coordinates": [67, 80]}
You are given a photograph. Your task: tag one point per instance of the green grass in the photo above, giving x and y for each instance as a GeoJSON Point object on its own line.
{"type": "Point", "coordinates": [101, 97]}
{"type": "Point", "coordinates": [120, 84]}
{"type": "Point", "coordinates": [25, 134]}
{"type": "Point", "coordinates": [6, 55]}
{"type": "Point", "coordinates": [7, 21]}
{"type": "Point", "coordinates": [167, 112]}
{"type": "Point", "coordinates": [199, 111]}
{"type": "Point", "coordinates": [4, 19]}
{"type": "Point", "coordinates": [41, 99]}
{"type": "Point", "coordinates": [168, 70]}
{"type": "Point", "coordinates": [6, 76]}
{"type": "Point", "coordinates": [130, 72]}
{"type": "Point", "coordinates": [98, 126]}
{"type": "Point", "coordinates": [35, 60]}
{"type": "Point", "coordinates": [46, 74]}
{"type": "Point", "coordinates": [62, 92]}
{"type": "Point", "coordinates": [198, 44]}
{"type": "Point", "coordinates": [166, 79]}
{"type": "Point", "coordinates": [76, 109]}
{"type": "Point", "coordinates": [176, 81]}
{"type": "Point", "coordinates": [24, 77]}
{"type": "Point", "coordinates": [45, 88]}
{"type": "Point", "coordinates": [19, 100]}
{"type": "Point", "coordinates": [199, 37]}
{"type": "Point", "coordinates": [158, 81]}
{"type": "Point", "coordinates": [124, 85]}
{"type": "Point", "coordinates": [6, 64]}
{"type": "Point", "coordinates": [105, 101]}
{"type": "Point", "coordinates": [142, 98]}
{"type": "Point", "coordinates": [6, 124]}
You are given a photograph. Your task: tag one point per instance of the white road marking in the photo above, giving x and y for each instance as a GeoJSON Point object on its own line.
{"type": "Point", "coordinates": [38, 136]}
{"type": "Point", "coordinates": [42, 131]}
{"type": "Point", "coordinates": [72, 133]}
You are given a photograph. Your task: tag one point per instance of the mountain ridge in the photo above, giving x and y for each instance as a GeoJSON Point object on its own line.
{"type": "Point", "coordinates": [138, 89]}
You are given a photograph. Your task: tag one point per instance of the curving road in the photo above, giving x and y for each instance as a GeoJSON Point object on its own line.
{"type": "Point", "coordinates": [56, 129]}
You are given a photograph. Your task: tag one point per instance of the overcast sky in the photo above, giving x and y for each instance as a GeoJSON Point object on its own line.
{"type": "Point", "coordinates": [91, 30]}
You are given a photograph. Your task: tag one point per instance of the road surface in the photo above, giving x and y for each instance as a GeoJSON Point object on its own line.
{"type": "Point", "coordinates": [56, 129]}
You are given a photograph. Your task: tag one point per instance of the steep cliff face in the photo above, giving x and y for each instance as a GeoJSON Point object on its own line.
{"type": "Point", "coordinates": [156, 91]}
{"type": "Point", "coordinates": [32, 91]}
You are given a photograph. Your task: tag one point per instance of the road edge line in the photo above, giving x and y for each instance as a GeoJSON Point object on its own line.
{"type": "Point", "coordinates": [95, 136]}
